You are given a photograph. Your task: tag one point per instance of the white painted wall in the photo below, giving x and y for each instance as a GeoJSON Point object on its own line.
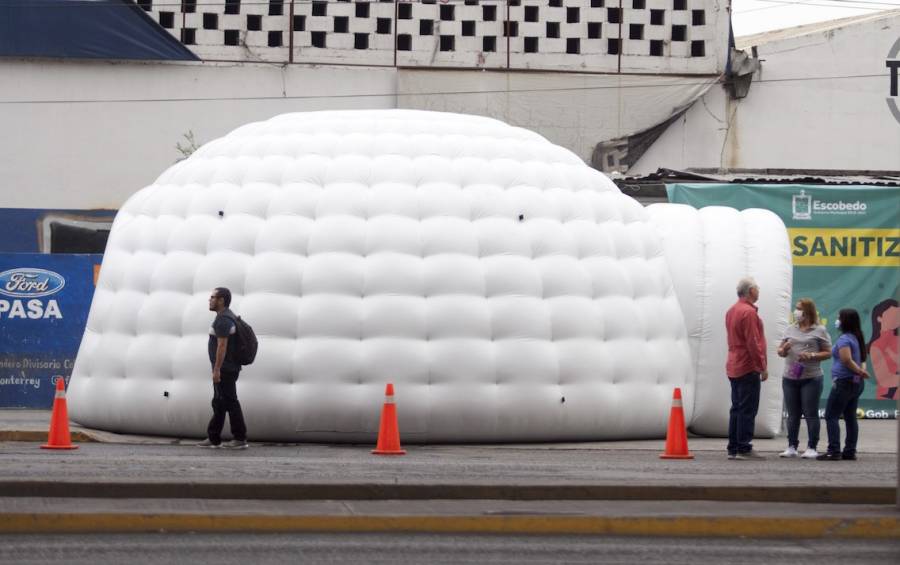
{"type": "Point", "coordinates": [89, 134]}
{"type": "Point", "coordinates": [819, 102]}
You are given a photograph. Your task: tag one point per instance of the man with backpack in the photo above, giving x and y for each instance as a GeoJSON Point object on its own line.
{"type": "Point", "coordinates": [226, 367]}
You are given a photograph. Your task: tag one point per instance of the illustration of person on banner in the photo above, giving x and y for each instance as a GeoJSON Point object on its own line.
{"type": "Point", "coordinates": [883, 348]}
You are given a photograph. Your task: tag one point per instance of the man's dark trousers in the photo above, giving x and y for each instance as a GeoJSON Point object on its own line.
{"type": "Point", "coordinates": [225, 401]}
{"type": "Point", "coordinates": [742, 418]}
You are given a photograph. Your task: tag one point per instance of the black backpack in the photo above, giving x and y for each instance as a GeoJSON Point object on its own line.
{"type": "Point", "coordinates": [245, 342]}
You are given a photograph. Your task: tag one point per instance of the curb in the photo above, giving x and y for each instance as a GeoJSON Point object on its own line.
{"type": "Point", "coordinates": [787, 528]}
{"type": "Point", "coordinates": [371, 491]}
{"type": "Point", "coordinates": [38, 436]}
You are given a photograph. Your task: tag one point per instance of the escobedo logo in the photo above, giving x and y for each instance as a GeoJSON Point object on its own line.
{"type": "Point", "coordinates": [802, 206]}
{"type": "Point", "coordinates": [893, 63]}
{"type": "Point", "coordinates": [30, 283]}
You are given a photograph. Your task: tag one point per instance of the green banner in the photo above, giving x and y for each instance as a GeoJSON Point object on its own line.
{"type": "Point", "coordinates": [845, 243]}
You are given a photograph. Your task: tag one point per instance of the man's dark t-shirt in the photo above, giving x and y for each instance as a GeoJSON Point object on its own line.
{"type": "Point", "coordinates": [223, 326]}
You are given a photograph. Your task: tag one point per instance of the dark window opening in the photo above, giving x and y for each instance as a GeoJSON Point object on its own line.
{"type": "Point", "coordinates": [447, 12]}
{"type": "Point", "coordinates": [573, 46]}
{"type": "Point", "coordinates": [614, 15]}
{"type": "Point", "coordinates": [698, 17]}
{"type": "Point", "coordinates": [468, 28]}
{"type": "Point", "coordinates": [362, 11]}
{"type": "Point", "coordinates": [657, 17]}
{"type": "Point", "coordinates": [276, 7]}
{"type": "Point", "coordinates": [318, 39]}
{"type": "Point", "coordinates": [556, 3]}
{"type": "Point", "coordinates": [531, 44]}
{"type": "Point", "coordinates": [275, 39]}
{"type": "Point", "coordinates": [553, 30]}
{"type": "Point", "coordinates": [404, 11]}
{"type": "Point", "coordinates": [489, 43]}
{"type": "Point", "coordinates": [573, 15]}
{"type": "Point", "coordinates": [448, 43]}
{"type": "Point", "coordinates": [489, 13]}
{"type": "Point", "coordinates": [636, 31]}
{"type": "Point", "coordinates": [639, 4]}
{"type": "Point", "coordinates": [383, 26]}
{"type": "Point", "coordinates": [320, 8]}
{"type": "Point", "coordinates": [232, 6]}
{"type": "Point", "coordinates": [210, 21]}
{"type": "Point", "coordinates": [532, 14]}
{"type": "Point", "coordinates": [596, 3]}
{"type": "Point", "coordinates": [189, 36]}
{"type": "Point", "coordinates": [361, 40]}
{"type": "Point", "coordinates": [679, 4]}
{"type": "Point", "coordinates": [75, 239]}
{"type": "Point", "coordinates": [510, 29]}
{"type": "Point", "coordinates": [594, 30]}
{"type": "Point", "coordinates": [232, 37]}
{"type": "Point", "coordinates": [612, 46]}
{"type": "Point", "coordinates": [146, 5]}
{"type": "Point", "coordinates": [188, 6]}
{"type": "Point", "coordinates": [404, 42]}
{"type": "Point", "coordinates": [679, 33]}
{"type": "Point", "coordinates": [167, 19]}
{"type": "Point", "coordinates": [698, 49]}
{"type": "Point", "coordinates": [341, 24]}
{"type": "Point", "coordinates": [299, 23]}
{"type": "Point", "coordinates": [426, 27]}
{"type": "Point", "coordinates": [254, 22]}
{"type": "Point", "coordinates": [656, 47]}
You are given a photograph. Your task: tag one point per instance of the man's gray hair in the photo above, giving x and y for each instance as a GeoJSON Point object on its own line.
{"type": "Point", "coordinates": [744, 286]}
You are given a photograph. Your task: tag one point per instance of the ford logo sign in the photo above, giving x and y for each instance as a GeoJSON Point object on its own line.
{"type": "Point", "coordinates": [30, 283]}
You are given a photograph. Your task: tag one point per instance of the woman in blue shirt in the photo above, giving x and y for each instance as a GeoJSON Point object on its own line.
{"type": "Point", "coordinates": [847, 373]}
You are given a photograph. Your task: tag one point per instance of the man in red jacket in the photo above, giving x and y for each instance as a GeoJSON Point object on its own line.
{"type": "Point", "coordinates": [746, 369]}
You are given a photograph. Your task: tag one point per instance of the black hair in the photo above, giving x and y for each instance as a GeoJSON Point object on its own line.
{"type": "Point", "coordinates": [850, 324]}
{"type": "Point", "coordinates": [225, 294]}
{"type": "Point", "coordinates": [877, 312]}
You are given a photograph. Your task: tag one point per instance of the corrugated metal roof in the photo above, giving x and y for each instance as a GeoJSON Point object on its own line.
{"type": "Point", "coordinates": [773, 176]}
{"type": "Point", "coordinates": [746, 41]}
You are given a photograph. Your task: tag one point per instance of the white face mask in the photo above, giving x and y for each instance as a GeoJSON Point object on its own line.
{"type": "Point", "coordinates": [798, 315]}
{"type": "Point", "coordinates": [837, 324]}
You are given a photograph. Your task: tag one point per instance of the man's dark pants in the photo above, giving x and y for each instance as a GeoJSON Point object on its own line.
{"type": "Point", "coordinates": [225, 401]}
{"type": "Point", "coordinates": [742, 418]}
{"type": "Point", "coordinates": [842, 402]}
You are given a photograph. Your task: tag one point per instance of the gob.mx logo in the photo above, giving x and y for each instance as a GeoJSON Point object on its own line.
{"type": "Point", "coordinates": [893, 63]}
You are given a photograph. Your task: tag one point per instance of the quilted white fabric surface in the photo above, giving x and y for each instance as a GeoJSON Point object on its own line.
{"type": "Point", "coordinates": [510, 292]}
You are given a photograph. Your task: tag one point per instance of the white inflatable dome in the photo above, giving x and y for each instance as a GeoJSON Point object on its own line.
{"type": "Point", "coordinates": [510, 292]}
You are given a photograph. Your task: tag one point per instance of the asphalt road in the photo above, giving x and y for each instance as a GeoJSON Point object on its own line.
{"type": "Point", "coordinates": [400, 549]}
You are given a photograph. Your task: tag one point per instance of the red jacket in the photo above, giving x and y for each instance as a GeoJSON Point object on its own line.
{"type": "Point", "coordinates": [746, 340]}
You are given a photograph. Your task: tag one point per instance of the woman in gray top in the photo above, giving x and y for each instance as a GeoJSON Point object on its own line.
{"type": "Point", "coordinates": [805, 345]}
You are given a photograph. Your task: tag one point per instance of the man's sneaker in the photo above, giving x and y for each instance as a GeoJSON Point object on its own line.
{"type": "Point", "coordinates": [810, 453]}
{"type": "Point", "coordinates": [236, 444]}
{"type": "Point", "coordinates": [791, 451]}
{"type": "Point", "coordinates": [829, 456]}
{"type": "Point", "coordinates": [208, 444]}
{"type": "Point", "coordinates": [732, 456]}
{"type": "Point", "coordinates": [752, 454]}
{"type": "Point", "coordinates": [848, 456]}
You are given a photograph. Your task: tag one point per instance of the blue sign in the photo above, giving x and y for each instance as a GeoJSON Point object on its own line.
{"type": "Point", "coordinates": [44, 304]}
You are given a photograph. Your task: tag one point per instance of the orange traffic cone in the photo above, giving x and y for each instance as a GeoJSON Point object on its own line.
{"type": "Point", "coordinates": [389, 433]}
{"type": "Point", "coordinates": [676, 437]}
{"type": "Point", "coordinates": [58, 437]}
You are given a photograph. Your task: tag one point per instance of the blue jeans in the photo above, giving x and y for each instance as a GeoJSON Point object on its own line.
{"type": "Point", "coordinates": [842, 401]}
{"type": "Point", "coordinates": [742, 418]}
{"type": "Point", "coordinates": [801, 396]}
